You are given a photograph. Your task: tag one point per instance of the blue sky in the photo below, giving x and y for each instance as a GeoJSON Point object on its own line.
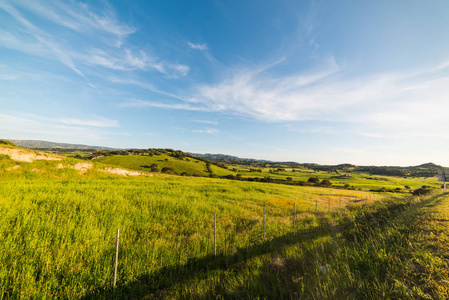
{"type": "Point", "coordinates": [363, 82]}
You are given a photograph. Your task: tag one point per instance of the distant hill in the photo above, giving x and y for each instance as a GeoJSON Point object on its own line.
{"type": "Point", "coordinates": [229, 158]}
{"type": "Point", "coordinates": [35, 144]}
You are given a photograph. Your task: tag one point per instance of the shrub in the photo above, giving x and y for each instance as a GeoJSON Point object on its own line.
{"type": "Point", "coordinates": [168, 170]}
{"type": "Point", "coordinates": [421, 192]}
{"type": "Point", "coordinates": [326, 183]}
{"type": "Point", "coordinates": [314, 180]}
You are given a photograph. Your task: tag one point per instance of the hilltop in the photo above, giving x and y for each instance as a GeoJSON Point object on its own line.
{"type": "Point", "coordinates": [36, 144]}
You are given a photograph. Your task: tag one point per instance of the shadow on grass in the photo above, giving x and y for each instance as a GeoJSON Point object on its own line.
{"type": "Point", "coordinates": [155, 283]}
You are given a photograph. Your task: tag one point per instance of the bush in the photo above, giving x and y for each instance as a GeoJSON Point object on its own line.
{"type": "Point", "coordinates": [168, 170]}
{"type": "Point", "coordinates": [313, 180]}
{"type": "Point", "coordinates": [326, 183]}
{"type": "Point", "coordinates": [421, 191]}
{"type": "Point", "coordinates": [154, 168]}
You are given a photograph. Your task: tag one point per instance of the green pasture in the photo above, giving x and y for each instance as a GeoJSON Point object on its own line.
{"type": "Point", "coordinates": [58, 236]}
{"type": "Point", "coordinates": [58, 231]}
{"type": "Point", "coordinates": [187, 165]}
{"type": "Point", "coordinates": [357, 180]}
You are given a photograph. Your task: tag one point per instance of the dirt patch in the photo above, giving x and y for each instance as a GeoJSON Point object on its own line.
{"type": "Point", "coordinates": [13, 168]}
{"type": "Point", "coordinates": [27, 155]}
{"type": "Point", "coordinates": [83, 166]}
{"type": "Point", "coordinates": [123, 172]}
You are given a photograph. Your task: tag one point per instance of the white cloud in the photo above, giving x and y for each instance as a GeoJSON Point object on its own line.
{"type": "Point", "coordinates": [24, 36]}
{"type": "Point", "coordinates": [201, 47]}
{"type": "Point", "coordinates": [178, 106]}
{"type": "Point", "coordinates": [30, 126]}
{"type": "Point", "coordinates": [79, 17]}
{"type": "Point", "coordinates": [206, 122]}
{"type": "Point", "coordinates": [206, 130]}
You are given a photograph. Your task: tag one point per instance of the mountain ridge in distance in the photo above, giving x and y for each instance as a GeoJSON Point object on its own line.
{"type": "Point", "coordinates": [38, 144]}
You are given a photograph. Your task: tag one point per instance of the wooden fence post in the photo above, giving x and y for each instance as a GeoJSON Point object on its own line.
{"type": "Point", "coordinates": [294, 215]}
{"type": "Point", "coordinates": [215, 235]}
{"type": "Point", "coordinates": [264, 221]}
{"type": "Point", "coordinates": [116, 257]}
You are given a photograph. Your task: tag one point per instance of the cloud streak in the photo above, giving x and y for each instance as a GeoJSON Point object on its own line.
{"type": "Point", "coordinates": [201, 47]}
{"type": "Point", "coordinates": [30, 126]}
{"type": "Point", "coordinates": [24, 36]}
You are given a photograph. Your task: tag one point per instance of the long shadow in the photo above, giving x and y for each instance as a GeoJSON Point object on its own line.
{"type": "Point", "coordinates": [153, 285]}
{"type": "Point", "coordinates": [199, 268]}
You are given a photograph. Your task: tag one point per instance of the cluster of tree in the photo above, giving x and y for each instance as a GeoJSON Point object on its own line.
{"type": "Point", "coordinates": [427, 170]}
{"type": "Point", "coordinates": [154, 151]}
{"type": "Point", "coordinates": [209, 170]}
{"type": "Point", "coordinates": [150, 152]}
{"type": "Point", "coordinates": [277, 170]}
{"type": "Point", "coordinates": [329, 168]}
{"type": "Point", "coordinates": [315, 181]}
{"type": "Point", "coordinates": [287, 181]}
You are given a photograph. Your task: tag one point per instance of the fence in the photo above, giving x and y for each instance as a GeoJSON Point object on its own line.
{"type": "Point", "coordinates": [104, 261]}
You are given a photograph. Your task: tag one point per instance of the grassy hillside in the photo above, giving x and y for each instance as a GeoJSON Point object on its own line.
{"type": "Point", "coordinates": [18, 164]}
{"type": "Point", "coordinates": [188, 166]}
{"type": "Point", "coordinates": [51, 229]}
{"type": "Point", "coordinates": [58, 230]}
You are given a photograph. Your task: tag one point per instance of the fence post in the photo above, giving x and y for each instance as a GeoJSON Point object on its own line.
{"type": "Point", "coordinates": [215, 235]}
{"type": "Point", "coordinates": [294, 215]}
{"type": "Point", "coordinates": [316, 205]}
{"type": "Point", "coordinates": [264, 221]}
{"type": "Point", "coordinates": [116, 257]}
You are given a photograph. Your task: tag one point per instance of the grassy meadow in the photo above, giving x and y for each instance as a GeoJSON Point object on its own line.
{"type": "Point", "coordinates": [190, 166]}
{"type": "Point", "coordinates": [58, 237]}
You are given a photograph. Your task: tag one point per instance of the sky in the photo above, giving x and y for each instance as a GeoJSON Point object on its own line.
{"type": "Point", "coordinates": [329, 82]}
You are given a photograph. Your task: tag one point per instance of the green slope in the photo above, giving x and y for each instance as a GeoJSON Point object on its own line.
{"type": "Point", "coordinates": [190, 166]}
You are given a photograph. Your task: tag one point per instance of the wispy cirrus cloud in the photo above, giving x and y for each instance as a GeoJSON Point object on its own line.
{"type": "Point", "coordinates": [206, 130]}
{"type": "Point", "coordinates": [201, 47]}
{"type": "Point", "coordinates": [176, 106]}
{"type": "Point", "coordinates": [206, 122]}
{"type": "Point", "coordinates": [31, 126]}
{"type": "Point", "coordinates": [385, 105]}
{"type": "Point", "coordinates": [21, 34]}
{"type": "Point", "coordinates": [80, 17]}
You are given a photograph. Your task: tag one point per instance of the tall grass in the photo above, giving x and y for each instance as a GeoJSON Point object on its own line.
{"type": "Point", "coordinates": [58, 237]}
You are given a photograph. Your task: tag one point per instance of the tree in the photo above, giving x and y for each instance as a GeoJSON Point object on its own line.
{"type": "Point", "coordinates": [168, 170]}
{"type": "Point", "coordinates": [326, 183]}
{"type": "Point", "coordinates": [313, 180]}
{"type": "Point", "coordinates": [154, 168]}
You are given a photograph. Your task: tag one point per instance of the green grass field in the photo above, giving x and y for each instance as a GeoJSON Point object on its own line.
{"type": "Point", "coordinates": [191, 166]}
{"type": "Point", "coordinates": [58, 235]}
